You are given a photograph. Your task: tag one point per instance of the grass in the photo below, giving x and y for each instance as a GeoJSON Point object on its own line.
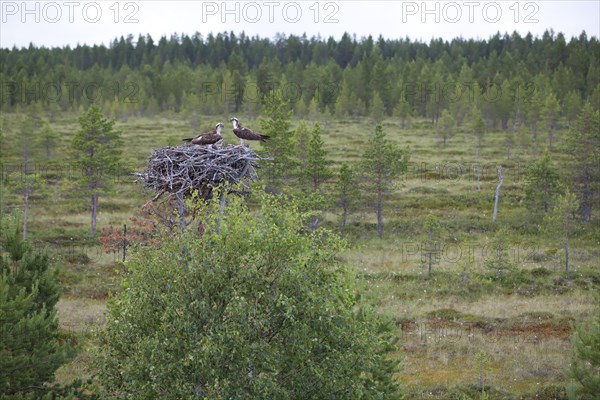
{"type": "Point", "coordinates": [521, 322]}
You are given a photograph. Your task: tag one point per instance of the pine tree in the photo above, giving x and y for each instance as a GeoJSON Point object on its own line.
{"type": "Point", "coordinates": [280, 146]}
{"type": "Point", "coordinates": [346, 100]}
{"type": "Point", "coordinates": [347, 191]}
{"type": "Point", "coordinates": [30, 339]}
{"type": "Point", "coordinates": [402, 111]}
{"type": "Point", "coordinates": [541, 185]}
{"type": "Point", "coordinates": [446, 126]}
{"type": "Point", "coordinates": [498, 258]}
{"type": "Point", "coordinates": [377, 109]}
{"type": "Point", "coordinates": [550, 115]}
{"type": "Point", "coordinates": [582, 144]}
{"type": "Point", "coordinates": [314, 175]}
{"type": "Point", "coordinates": [533, 112]}
{"type": "Point", "coordinates": [317, 169]}
{"type": "Point", "coordinates": [572, 106]}
{"type": "Point", "coordinates": [463, 94]}
{"type": "Point", "coordinates": [47, 138]}
{"type": "Point", "coordinates": [97, 150]}
{"type": "Point", "coordinates": [561, 223]}
{"type": "Point", "coordinates": [524, 139]}
{"type": "Point", "coordinates": [382, 162]}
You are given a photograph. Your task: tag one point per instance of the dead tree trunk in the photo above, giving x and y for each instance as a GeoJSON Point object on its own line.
{"type": "Point", "coordinates": [498, 193]}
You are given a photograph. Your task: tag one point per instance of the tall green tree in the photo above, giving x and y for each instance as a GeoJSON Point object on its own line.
{"type": "Point", "coordinates": [32, 346]}
{"type": "Point", "coordinates": [47, 138]}
{"type": "Point", "coordinates": [97, 150]}
{"type": "Point", "coordinates": [314, 174]}
{"type": "Point", "coordinates": [582, 144]}
{"type": "Point", "coordinates": [560, 222]}
{"type": "Point", "coordinates": [347, 191]}
{"type": "Point", "coordinates": [258, 309]}
{"type": "Point", "coordinates": [542, 184]}
{"type": "Point", "coordinates": [317, 169]}
{"type": "Point", "coordinates": [572, 106]}
{"type": "Point", "coordinates": [550, 115]}
{"type": "Point", "coordinates": [377, 108]}
{"type": "Point", "coordinates": [280, 146]}
{"type": "Point", "coordinates": [446, 126]}
{"type": "Point", "coordinates": [524, 139]}
{"type": "Point", "coordinates": [498, 258]}
{"type": "Point", "coordinates": [382, 162]}
{"type": "Point", "coordinates": [402, 111]}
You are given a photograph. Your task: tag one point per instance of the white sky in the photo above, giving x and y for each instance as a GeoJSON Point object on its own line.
{"type": "Point", "coordinates": [61, 23]}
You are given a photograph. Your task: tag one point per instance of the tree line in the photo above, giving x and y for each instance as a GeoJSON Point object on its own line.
{"type": "Point", "coordinates": [508, 77]}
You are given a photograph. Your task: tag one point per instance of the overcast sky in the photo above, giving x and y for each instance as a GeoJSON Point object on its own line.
{"type": "Point", "coordinates": [61, 23]}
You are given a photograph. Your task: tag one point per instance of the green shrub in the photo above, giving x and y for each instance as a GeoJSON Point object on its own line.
{"type": "Point", "coordinates": [254, 308]}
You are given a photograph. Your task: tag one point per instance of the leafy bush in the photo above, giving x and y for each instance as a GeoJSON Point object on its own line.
{"type": "Point", "coordinates": [255, 307]}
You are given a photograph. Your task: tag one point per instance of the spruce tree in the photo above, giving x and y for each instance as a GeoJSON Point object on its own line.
{"type": "Point", "coordinates": [314, 175]}
{"type": "Point", "coordinates": [317, 169]}
{"type": "Point", "coordinates": [32, 347]}
{"type": "Point", "coordinates": [541, 185]}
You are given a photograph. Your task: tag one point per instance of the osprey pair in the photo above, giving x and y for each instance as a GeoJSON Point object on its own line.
{"type": "Point", "coordinates": [215, 136]}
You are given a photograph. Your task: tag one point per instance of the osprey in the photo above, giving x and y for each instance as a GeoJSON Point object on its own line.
{"type": "Point", "coordinates": [245, 133]}
{"type": "Point", "coordinates": [208, 137]}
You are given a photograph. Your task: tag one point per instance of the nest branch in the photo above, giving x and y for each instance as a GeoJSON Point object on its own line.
{"type": "Point", "coordinates": [183, 169]}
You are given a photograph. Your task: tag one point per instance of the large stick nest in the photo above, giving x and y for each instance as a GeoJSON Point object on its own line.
{"type": "Point", "coordinates": [183, 169]}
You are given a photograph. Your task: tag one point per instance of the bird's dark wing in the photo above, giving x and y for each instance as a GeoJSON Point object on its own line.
{"type": "Point", "coordinates": [205, 138]}
{"type": "Point", "coordinates": [247, 134]}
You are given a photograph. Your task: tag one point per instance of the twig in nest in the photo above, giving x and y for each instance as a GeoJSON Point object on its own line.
{"type": "Point", "coordinates": [183, 169]}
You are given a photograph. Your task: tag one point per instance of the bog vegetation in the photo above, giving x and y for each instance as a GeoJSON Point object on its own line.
{"type": "Point", "coordinates": [392, 146]}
